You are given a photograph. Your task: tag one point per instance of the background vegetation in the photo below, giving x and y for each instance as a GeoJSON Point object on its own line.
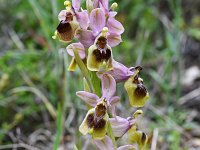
{"type": "Point", "coordinates": [161, 35]}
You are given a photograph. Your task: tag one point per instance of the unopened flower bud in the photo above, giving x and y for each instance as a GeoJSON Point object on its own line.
{"type": "Point", "coordinates": [67, 3]}
{"type": "Point", "coordinates": [137, 113]}
{"type": "Point", "coordinates": [55, 35]}
{"type": "Point", "coordinates": [114, 6]}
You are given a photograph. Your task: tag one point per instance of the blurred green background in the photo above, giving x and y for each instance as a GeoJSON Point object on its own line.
{"type": "Point", "coordinates": [163, 36]}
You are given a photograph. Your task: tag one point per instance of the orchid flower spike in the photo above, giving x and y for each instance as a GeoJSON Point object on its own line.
{"type": "Point", "coordinates": [137, 93]}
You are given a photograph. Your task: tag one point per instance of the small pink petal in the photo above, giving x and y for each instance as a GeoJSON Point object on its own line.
{"type": "Point", "coordinates": [95, 3]}
{"type": "Point", "coordinates": [86, 37]}
{"type": "Point", "coordinates": [114, 100]}
{"type": "Point", "coordinates": [104, 4]}
{"type": "Point", "coordinates": [127, 147]}
{"type": "Point", "coordinates": [112, 103]}
{"type": "Point", "coordinates": [114, 40]}
{"type": "Point", "coordinates": [105, 144]}
{"type": "Point", "coordinates": [90, 98]}
{"type": "Point", "coordinates": [83, 19]}
{"type": "Point", "coordinates": [76, 4]}
{"type": "Point", "coordinates": [76, 46]}
{"type": "Point", "coordinates": [62, 15]}
{"type": "Point", "coordinates": [114, 26]}
{"type": "Point", "coordinates": [97, 20]}
{"type": "Point", "coordinates": [112, 14]}
{"type": "Point", "coordinates": [120, 72]}
{"type": "Point", "coordinates": [119, 126]}
{"type": "Point", "coordinates": [108, 86]}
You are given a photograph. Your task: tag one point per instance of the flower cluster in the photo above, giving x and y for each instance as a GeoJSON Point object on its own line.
{"type": "Point", "coordinates": [97, 31]}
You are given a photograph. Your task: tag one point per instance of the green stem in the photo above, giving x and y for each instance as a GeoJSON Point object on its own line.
{"type": "Point", "coordinates": [96, 83]}
{"type": "Point", "coordinates": [59, 127]}
{"type": "Point", "coordinates": [83, 69]}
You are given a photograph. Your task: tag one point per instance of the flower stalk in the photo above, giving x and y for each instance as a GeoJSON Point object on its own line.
{"type": "Point", "coordinates": [84, 70]}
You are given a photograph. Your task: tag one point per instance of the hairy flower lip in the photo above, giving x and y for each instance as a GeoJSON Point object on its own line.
{"type": "Point", "coordinates": [62, 26]}
{"type": "Point", "coordinates": [65, 31]}
{"type": "Point", "coordinates": [99, 60]}
{"type": "Point", "coordinates": [137, 93]}
{"type": "Point", "coordinates": [95, 122]}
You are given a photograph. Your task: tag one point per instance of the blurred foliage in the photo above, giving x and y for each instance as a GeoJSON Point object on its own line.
{"type": "Point", "coordinates": [29, 57]}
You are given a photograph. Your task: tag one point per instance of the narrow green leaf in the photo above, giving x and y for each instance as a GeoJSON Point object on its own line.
{"type": "Point", "coordinates": [58, 128]}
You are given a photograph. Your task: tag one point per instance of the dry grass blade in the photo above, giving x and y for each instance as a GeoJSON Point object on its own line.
{"type": "Point", "coordinates": [155, 138]}
{"type": "Point", "coordinates": [44, 99]}
{"type": "Point", "coordinates": [191, 95]}
{"type": "Point", "coordinates": [20, 145]}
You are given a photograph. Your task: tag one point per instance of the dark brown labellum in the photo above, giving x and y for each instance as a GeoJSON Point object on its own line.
{"type": "Point", "coordinates": [140, 91]}
{"type": "Point", "coordinates": [65, 31]}
{"type": "Point", "coordinates": [92, 123]}
{"type": "Point", "coordinates": [90, 120]}
{"type": "Point", "coordinates": [105, 55]}
{"type": "Point", "coordinates": [100, 124]}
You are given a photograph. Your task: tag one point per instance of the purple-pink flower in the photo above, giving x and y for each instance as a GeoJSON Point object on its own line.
{"type": "Point", "coordinates": [121, 125]}
{"type": "Point", "coordinates": [120, 72]}
{"type": "Point", "coordinates": [108, 92]}
{"type": "Point", "coordinates": [99, 19]}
